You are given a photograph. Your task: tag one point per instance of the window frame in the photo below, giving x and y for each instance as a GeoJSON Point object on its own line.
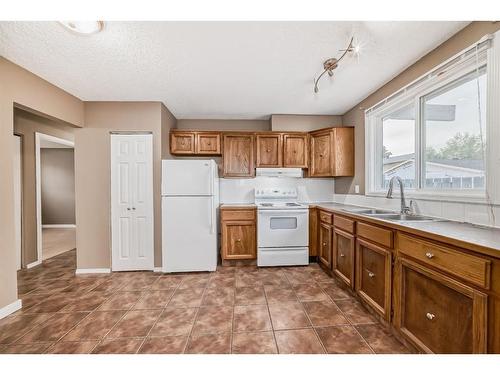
{"type": "Point", "coordinates": [435, 80]}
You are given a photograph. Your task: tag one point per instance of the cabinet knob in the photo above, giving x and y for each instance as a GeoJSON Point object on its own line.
{"type": "Point", "coordinates": [324, 243]}
{"type": "Point", "coordinates": [128, 208]}
{"type": "Point", "coordinates": [238, 240]}
{"type": "Point", "coordinates": [342, 255]}
{"type": "Point", "coordinates": [430, 316]}
{"type": "Point", "coordinates": [294, 151]}
{"type": "Point", "coordinates": [371, 274]}
{"type": "Point", "coordinates": [429, 255]}
{"type": "Point", "coordinates": [320, 155]}
{"type": "Point", "coordinates": [268, 150]}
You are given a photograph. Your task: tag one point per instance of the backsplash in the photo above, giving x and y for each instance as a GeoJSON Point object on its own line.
{"type": "Point", "coordinates": [475, 213]}
{"type": "Point", "coordinates": [241, 190]}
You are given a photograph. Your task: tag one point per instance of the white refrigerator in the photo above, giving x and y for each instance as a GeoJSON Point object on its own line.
{"type": "Point", "coordinates": [190, 201]}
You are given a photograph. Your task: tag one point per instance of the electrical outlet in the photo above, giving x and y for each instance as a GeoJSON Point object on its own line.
{"type": "Point", "coordinates": [356, 189]}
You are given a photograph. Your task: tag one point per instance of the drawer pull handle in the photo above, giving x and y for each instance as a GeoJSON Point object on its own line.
{"type": "Point", "coordinates": [430, 316]}
{"type": "Point", "coordinates": [429, 255]}
{"type": "Point", "coordinates": [342, 255]}
{"type": "Point", "coordinates": [371, 274]}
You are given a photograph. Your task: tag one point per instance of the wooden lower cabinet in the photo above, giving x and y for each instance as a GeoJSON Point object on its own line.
{"type": "Point", "coordinates": [239, 234]}
{"type": "Point", "coordinates": [374, 276]}
{"type": "Point", "coordinates": [343, 256]}
{"type": "Point", "coordinates": [439, 314]}
{"type": "Point", "coordinates": [325, 245]}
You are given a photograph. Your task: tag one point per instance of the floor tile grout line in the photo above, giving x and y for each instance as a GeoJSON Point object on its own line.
{"type": "Point", "coordinates": [158, 318]}
{"type": "Point", "coordinates": [271, 318]}
{"type": "Point", "coordinates": [194, 319]}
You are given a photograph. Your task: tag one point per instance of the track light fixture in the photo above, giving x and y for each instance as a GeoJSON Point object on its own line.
{"type": "Point", "coordinates": [332, 63]}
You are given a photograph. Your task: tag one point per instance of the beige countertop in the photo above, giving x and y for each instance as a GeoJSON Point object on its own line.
{"type": "Point", "coordinates": [236, 205]}
{"type": "Point", "coordinates": [485, 240]}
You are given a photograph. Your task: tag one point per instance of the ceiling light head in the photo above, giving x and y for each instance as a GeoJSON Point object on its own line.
{"type": "Point", "coordinates": [83, 27]}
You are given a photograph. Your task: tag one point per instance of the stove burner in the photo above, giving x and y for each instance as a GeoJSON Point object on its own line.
{"type": "Point", "coordinates": [292, 204]}
{"type": "Point", "coordinates": [266, 204]}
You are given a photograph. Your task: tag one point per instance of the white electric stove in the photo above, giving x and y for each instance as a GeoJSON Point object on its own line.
{"type": "Point", "coordinates": [282, 228]}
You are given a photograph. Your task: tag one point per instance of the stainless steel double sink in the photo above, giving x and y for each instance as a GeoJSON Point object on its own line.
{"type": "Point", "coordinates": [390, 215]}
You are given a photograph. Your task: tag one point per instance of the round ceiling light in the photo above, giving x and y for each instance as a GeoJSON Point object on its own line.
{"type": "Point", "coordinates": [83, 27]}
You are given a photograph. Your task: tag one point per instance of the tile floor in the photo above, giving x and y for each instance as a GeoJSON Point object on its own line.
{"type": "Point", "coordinates": [234, 310]}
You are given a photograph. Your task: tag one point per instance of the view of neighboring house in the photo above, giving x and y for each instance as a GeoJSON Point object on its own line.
{"type": "Point", "coordinates": [440, 173]}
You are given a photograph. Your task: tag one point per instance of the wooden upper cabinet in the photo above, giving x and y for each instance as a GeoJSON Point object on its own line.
{"type": "Point", "coordinates": [295, 150]}
{"type": "Point", "coordinates": [208, 144]}
{"type": "Point", "coordinates": [182, 143]}
{"type": "Point", "coordinates": [332, 152]}
{"type": "Point", "coordinates": [238, 155]}
{"type": "Point", "coordinates": [269, 150]}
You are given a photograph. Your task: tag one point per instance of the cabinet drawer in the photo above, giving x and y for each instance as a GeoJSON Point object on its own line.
{"type": "Point", "coordinates": [381, 236]}
{"type": "Point", "coordinates": [468, 267]}
{"type": "Point", "coordinates": [243, 214]}
{"type": "Point", "coordinates": [326, 217]}
{"type": "Point", "coordinates": [344, 223]}
{"type": "Point", "coordinates": [439, 314]}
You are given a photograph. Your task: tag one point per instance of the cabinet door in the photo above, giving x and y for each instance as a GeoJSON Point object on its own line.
{"type": "Point", "coordinates": [208, 143]}
{"type": "Point", "coordinates": [295, 151]}
{"type": "Point", "coordinates": [321, 155]}
{"type": "Point", "coordinates": [239, 240]}
{"type": "Point", "coordinates": [439, 314]}
{"type": "Point", "coordinates": [182, 143]}
{"type": "Point", "coordinates": [269, 150]}
{"type": "Point", "coordinates": [238, 155]}
{"type": "Point", "coordinates": [313, 232]}
{"type": "Point", "coordinates": [325, 245]}
{"type": "Point", "coordinates": [344, 151]}
{"type": "Point", "coordinates": [373, 276]}
{"type": "Point", "coordinates": [343, 256]}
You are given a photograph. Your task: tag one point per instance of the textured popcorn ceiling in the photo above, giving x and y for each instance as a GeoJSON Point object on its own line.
{"type": "Point", "coordinates": [222, 69]}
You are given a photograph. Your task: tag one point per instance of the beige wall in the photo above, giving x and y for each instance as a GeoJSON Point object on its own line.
{"type": "Point", "coordinates": [303, 122]}
{"type": "Point", "coordinates": [226, 125]}
{"type": "Point", "coordinates": [27, 124]}
{"type": "Point", "coordinates": [464, 38]}
{"type": "Point", "coordinates": [168, 121]}
{"type": "Point", "coordinates": [92, 174]}
{"type": "Point", "coordinates": [57, 185]}
{"type": "Point", "coordinates": [23, 89]}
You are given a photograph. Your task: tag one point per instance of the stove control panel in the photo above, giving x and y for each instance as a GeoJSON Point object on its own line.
{"type": "Point", "coordinates": [278, 193]}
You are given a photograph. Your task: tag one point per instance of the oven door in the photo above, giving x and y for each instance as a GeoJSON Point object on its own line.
{"type": "Point", "coordinates": [283, 228]}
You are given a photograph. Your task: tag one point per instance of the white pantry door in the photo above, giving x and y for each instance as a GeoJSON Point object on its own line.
{"type": "Point", "coordinates": [132, 202]}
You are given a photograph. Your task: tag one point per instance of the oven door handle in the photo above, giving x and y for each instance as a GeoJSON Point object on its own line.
{"type": "Point", "coordinates": [282, 213]}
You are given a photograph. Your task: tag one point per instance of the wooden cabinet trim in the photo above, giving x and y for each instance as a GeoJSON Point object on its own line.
{"type": "Point", "coordinates": [479, 300]}
{"type": "Point", "coordinates": [384, 311]}
{"type": "Point", "coordinates": [471, 268]}
{"type": "Point", "coordinates": [325, 245]}
{"type": "Point", "coordinates": [313, 232]}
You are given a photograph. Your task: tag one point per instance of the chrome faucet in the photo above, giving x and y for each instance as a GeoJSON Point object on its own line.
{"type": "Point", "coordinates": [404, 208]}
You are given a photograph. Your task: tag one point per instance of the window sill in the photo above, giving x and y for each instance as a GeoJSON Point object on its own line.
{"type": "Point", "coordinates": [442, 196]}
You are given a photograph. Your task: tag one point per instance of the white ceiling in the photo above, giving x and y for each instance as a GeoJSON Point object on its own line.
{"type": "Point", "coordinates": [222, 69]}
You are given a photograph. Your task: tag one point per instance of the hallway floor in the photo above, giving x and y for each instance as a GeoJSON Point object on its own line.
{"type": "Point", "coordinates": [56, 241]}
{"type": "Point", "coordinates": [233, 310]}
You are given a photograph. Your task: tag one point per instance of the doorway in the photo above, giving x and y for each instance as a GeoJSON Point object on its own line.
{"type": "Point", "coordinates": [18, 198]}
{"type": "Point", "coordinates": [132, 227]}
{"type": "Point", "coordinates": [55, 196]}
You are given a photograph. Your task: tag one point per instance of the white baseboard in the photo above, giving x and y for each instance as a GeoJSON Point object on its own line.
{"type": "Point", "coordinates": [81, 271]}
{"type": "Point", "coordinates": [158, 269]}
{"type": "Point", "coordinates": [10, 308]}
{"type": "Point", "coordinates": [34, 264]}
{"type": "Point", "coordinates": [60, 226]}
